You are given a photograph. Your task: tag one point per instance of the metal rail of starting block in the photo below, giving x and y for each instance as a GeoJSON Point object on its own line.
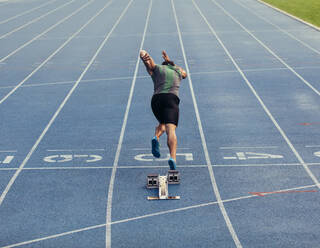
{"type": "Point", "coordinates": [161, 182]}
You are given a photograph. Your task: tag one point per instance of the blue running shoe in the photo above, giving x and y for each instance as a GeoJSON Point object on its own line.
{"type": "Point", "coordinates": [155, 147]}
{"type": "Point", "coordinates": [172, 164]}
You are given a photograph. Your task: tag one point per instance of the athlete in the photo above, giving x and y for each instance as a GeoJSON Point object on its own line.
{"type": "Point", "coordinates": [165, 101]}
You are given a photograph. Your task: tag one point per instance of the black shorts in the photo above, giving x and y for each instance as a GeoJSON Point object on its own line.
{"type": "Point", "coordinates": [165, 108]}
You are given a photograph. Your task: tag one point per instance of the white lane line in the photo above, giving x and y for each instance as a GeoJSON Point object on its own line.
{"type": "Point", "coordinates": [141, 77]}
{"type": "Point", "coordinates": [182, 209]}
{"type": "Point", "coordinates": [165, 149]}
{"type": "Point", "coordinates": [230, 32]}
{"type": "Point", "coordinates": [314, 179]}
{"type": "Point", "coordinates": [257, 165]}
{"type": "Point", "coordinates": [150, 215]}
{"type": "Point", "coordinates": [5, 192]}
{"type": "Point", "coordinates": [55, 236]}
{"type": "Point", "coordinates": [44, 32]}
{"type": "Point", "coordinates": [55, 52]}
{"type": "Point", "coordinates": [235, 71]}
{"type": "Point", "coordinates": [8, 151]}
{"type": "Point", "coordinates": [26, 12]}
{"type": "Point", "coordinates": [203, 140]}
{"type": "Point", "coordinates": [58, 168]}
{"type": "Point", "coordinates": [280, 29]}
{"type": "Point", "coordinates": [257, 70]}
{"type": "Point", "coordinates": [215, 165]}
{"type": "Point", "coordinates": [205, 205]}
{"type": "Point", "coordinates": [34, 20]}
{"type": "Point", "coordinates": [313, 163]}
{"type": "Point", "coordinates": [70, 168]}
{"type": "Point", "coordinates": [267, 48]}
{"type": "Point", "coordinates": [71, 82]}
{"type": "Point", "coordinates": [124, 124]}
{"type": "Point", "coordinates": [103, 167]}
{"type": "Point", "coordinates": [158, 166]}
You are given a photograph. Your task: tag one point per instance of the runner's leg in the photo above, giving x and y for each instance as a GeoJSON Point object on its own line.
{"type": "Point", "coordinates": [171, 139]}
{"type": "Point", "coordinates": [160, 129]}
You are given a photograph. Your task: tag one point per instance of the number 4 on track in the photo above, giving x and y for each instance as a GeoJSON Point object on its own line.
{"type": "Point", "coordinates": [253, 155]}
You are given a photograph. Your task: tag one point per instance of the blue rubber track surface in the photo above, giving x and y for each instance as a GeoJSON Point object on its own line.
{"type": "Point", "coordinates": [76, 125]}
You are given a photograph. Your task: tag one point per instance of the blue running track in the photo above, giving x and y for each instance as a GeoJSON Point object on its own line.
{"type": "Point", "coordinates": [76, 125]}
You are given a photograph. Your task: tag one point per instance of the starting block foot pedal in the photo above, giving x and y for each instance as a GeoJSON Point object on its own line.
{"type": "Point", "coordinates": [173, 177]}
{"type": "Point", "coordinates": [152, 181]}
{"type": "Point", "coordinates": [161, 182]}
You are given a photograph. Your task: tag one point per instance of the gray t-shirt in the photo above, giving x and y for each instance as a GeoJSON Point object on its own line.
{"type": "Point", "coordinates": [166, 79]}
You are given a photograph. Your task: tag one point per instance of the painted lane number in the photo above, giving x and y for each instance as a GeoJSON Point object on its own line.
{"type": "Point", "coordinates": [149, 157]}
{"type": "Point", "coordinates": [253, 155]}
{"type": "Point", "coordinates": [69, 157]}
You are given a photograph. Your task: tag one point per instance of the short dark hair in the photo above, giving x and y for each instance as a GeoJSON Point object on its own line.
{"type": "Point", "coordinates": [168, 63]}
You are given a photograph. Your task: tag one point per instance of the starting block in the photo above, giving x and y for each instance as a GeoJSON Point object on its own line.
{"type": "Point", "coordinates": [161, 182]}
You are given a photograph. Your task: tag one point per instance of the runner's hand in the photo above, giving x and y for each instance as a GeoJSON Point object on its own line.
{"type": "Point", "coordinates": [165, 56]}
{"type": "Point", "coordinates": [146, 57]}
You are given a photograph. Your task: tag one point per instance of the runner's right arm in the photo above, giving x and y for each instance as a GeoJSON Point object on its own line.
{"type": "Point", "coordinates": [148, 61]}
